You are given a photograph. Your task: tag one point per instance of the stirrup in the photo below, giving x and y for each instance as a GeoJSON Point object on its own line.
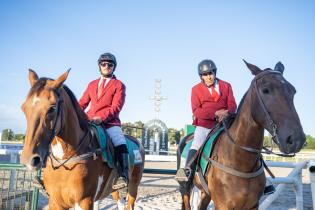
{"type": "Point", "coordinates": [120, 183]}
{"type": "Point", "coordinates": [181, 175]}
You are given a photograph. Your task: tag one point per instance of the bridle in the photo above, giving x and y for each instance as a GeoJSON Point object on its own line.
{"type": "Point", "coordinates": [271, 126]}
{"type": "Point", "coordinates": [54, 133]}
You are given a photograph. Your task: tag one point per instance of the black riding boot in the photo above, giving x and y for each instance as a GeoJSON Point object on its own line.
{"type": "Point", "coordinates": [122, 157]}
{"type": "Point", "coordinates": [186, 174]}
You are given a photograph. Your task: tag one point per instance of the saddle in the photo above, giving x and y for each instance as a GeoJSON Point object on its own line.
{"type": "Point", "coordinates": [206, 150]}
{"type": "Point", "coordinates": [107, 147]}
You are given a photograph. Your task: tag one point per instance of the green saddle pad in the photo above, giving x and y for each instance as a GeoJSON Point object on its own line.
{"type": "Point", "coordinates": [206, 150]}
{"type": "Point", "coordinates": [135, 157]}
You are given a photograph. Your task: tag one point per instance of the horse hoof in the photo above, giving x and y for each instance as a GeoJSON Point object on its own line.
{"type": "Point", "coordinates": [181, 176]}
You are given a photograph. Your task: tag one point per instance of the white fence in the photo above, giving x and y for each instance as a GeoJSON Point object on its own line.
{"type": "Point", "coordinates": [294, 179]}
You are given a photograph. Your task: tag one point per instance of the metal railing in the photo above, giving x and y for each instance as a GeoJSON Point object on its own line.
{"type": "Point", "coordinates": [16, 188]}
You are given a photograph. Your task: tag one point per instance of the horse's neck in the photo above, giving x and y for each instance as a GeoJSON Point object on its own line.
{"type": "Point", "coordinates": [66, 144]}
{"type": "Point", "coordinates": [245, 132]}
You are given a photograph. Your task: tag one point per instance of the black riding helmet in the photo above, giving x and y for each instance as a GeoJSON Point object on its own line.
{"type": "Point", "coordinates": [206, 66]}
{"type": "Point", "coordinates": [108, 57]}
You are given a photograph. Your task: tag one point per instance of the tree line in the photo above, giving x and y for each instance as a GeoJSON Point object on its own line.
{"type": "Point", "coordinates": [136, 129]}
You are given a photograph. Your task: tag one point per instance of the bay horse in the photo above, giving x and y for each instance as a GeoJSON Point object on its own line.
{"type": "Point", "coordinates": [58, 127]}
{"type": "Point", "coordinates": [235, 178]}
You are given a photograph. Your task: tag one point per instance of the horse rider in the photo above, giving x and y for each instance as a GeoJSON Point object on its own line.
{"type": "Point", "coordinates": [105, 97]}
{"type": "Point", "coordinates": [211, 101]}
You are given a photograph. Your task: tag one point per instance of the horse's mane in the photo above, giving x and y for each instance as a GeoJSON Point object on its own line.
{"type": "Point", "coordinates": [230, 120]}
{"type": "Point", "coordinates": [83, 120]}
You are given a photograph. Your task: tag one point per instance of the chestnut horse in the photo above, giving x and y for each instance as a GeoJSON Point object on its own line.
{"type": "Point", "coordinates": [58, 127]}
{"type": "Point", "coordinates": [235, 177]}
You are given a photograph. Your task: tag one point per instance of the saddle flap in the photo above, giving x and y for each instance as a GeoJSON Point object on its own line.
{"type": "Point", "coordinates": [107, 147]}
{"type": "Point", "coordinates": [205, 150]}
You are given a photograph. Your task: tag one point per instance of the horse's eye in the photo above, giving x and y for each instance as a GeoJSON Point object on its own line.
{"type": "Point", "coordinates": [51, 110]}
{"type": "Point", "coordinates": [265, 91]}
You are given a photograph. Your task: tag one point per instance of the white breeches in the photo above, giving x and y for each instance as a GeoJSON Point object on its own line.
{"type": "Point", "coordinates": [116, 134]}
{"type": "Point", "coordinates": [200, 137]}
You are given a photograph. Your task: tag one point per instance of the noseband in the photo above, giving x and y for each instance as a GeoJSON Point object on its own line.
{"type": "Point", "coordinates": [271, 126]}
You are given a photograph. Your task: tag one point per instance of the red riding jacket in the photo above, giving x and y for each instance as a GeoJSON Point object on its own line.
{"type": "Point", "coordinates": [108, 106]}
{"type": "Point", "coordinates": [204, 107]}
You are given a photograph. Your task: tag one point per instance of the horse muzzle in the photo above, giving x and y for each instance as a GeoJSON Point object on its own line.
{"type": "Point", "coordinates": [292, 143]}
{"type": "Point", "coordinates": [33, 162]}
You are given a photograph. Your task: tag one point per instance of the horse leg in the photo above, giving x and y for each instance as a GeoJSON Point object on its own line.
{"type": "Point", "coordinates": [134, 182]}
{"type": "Point", "coordinates": [120, 201]}
{"type": "Point", "coordinates": [186, 202]}
{"type": "Point", "coordinates": [185, 197]}
{"type": "Point", "coordinates": [204, 201]}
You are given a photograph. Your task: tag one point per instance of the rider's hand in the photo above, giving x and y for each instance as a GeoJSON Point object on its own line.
{"type": "Point", "coordinates": [221, 114]}
{"type": "Point", "coordinates": [97, 120]}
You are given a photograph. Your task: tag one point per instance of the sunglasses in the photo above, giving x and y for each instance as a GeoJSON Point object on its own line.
{"type": "Point", "coordinates": [104, 64]}
{"type": "Point", "coordinates": [207, 73]}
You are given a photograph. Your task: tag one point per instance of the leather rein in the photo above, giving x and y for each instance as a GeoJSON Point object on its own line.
{"type": "Point", "coordinates": [271, 126]}
{"type": "Point", "coordinates": [53, 133]}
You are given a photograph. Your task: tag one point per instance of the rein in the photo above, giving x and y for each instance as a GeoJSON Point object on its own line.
{"type": "Point", "coordinates": [73, 158]}
{"type": "Point", "coordinates": [234, 172]}
{"type": "Point", "coordinates": [271, 125]}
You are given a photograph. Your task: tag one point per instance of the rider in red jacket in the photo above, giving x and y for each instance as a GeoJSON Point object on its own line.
{"type": "Point", "coordinates": [104, 98]}
{"type": "Point", "coordinates": [211, 101]}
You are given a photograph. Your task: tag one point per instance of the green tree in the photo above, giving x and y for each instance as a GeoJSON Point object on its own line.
{"type": "Point", "coordinates": [171, 135]}
{"type": "Point", "coordinates": [7, 135]}
{"type": "Point", "coordinates": [310, 142]}
{"type": "Point", "coordinates": [19, 137]}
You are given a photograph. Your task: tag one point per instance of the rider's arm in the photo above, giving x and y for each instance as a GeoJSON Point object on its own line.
{"type": "Point", "coordinates": [200, 112]}
{"type": "Point", "coordinates": [85, 99]}
{"type": "Point", "coordinates": [118, 101]}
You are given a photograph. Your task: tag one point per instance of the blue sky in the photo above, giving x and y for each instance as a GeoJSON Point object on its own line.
{"type": "Point", "coordinates": [155, 39]}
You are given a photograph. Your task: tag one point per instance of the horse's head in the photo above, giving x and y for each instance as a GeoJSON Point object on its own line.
{"type": "Point", "coordinates": [272, 107]}
{"type": "Point", "coordinates": [43, 112]}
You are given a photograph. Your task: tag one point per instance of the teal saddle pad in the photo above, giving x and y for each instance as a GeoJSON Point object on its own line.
{"type": "Point", "coordinates": [135, 157]}
{"type": "Point", "coordinates": [205, 151]}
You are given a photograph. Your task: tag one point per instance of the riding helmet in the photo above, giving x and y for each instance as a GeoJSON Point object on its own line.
{"type": "Point", "coordinates": [107, 57]}
{"type": "Point", "coordinates": [207, 66]}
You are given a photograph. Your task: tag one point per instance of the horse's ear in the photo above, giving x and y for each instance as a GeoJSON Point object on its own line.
{"type": "Point", "coordinates": [60, 80]}
{"type": "Point", "coordinates": [279, 67]}
{"type": "Point", "coordinates": [32, 76]}
{"type": "Point", "coordinates": [254, 69]}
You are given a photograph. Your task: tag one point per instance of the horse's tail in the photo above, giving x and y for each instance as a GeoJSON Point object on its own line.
{"type": "Point", "coordinates": [181, 146]}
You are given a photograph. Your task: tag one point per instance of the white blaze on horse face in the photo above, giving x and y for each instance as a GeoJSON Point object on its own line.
{"type": "Point", "coordinates": [99, 185]}
{"type": "Point", "coordinates": [77, 207]}
{"type": "Point", "coordinates": [35, 100]}
{"type": "Point", "coordinates": [57, 150]}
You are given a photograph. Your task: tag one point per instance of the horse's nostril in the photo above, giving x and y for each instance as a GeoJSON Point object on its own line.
{"type": "Point", "coordinates": [35, 161]}
{"type": "Point", "coordinates": [289, 140]}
